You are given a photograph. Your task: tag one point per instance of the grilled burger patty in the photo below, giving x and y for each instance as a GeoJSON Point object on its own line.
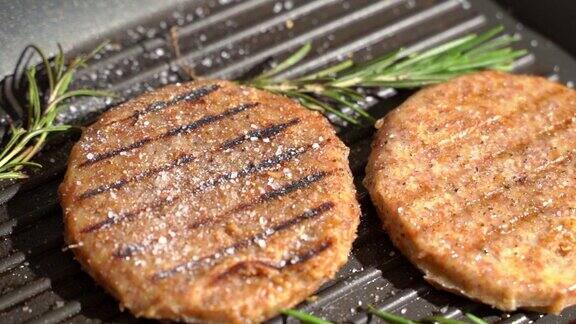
{"type": "Point", "coordinates": [475, 182]}
{"type": "Point", "coordinates": [210, 201]}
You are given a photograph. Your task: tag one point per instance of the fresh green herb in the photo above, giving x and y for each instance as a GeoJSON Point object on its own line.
{"type": "Point", "coordinates": [323, 90]}
{"type": "Point", "coordinates": [27, 139]}
{"type": "Point", "coordinates": [475, 319]}
{"type": "Point", "coordinates": [389, 317]}
{"type": "Point", "coordinates": [395, 319]}
{"type": "Point", "coordinates": [338, 83]}
{"type": "Point", "coordinates": [386, 316]}
{"type": "Point", "coordinates": [304, 317]}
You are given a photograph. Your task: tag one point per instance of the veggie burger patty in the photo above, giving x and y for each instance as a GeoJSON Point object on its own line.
{"type": "Point", "coordinates": [210, 201]}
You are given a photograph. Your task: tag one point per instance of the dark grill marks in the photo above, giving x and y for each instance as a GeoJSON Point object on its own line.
{"type": "Point", "coordinates": [260, 133]}
{"type": "Point", "coordinates": [129, 250]}
{"type": "Point", "coordinates": [304, 256]}
{"type": "Point", "coordinates": [248, 268]}
{"type": "Point", "coordinates": [117, 218]}
{"type": "Point", "coordinates": [265, 197]}
{"type": "Point", "coordinates": [251, 168]}
{"type": "Point", "coordinates": [257, 265]}
{"type": "Point", "coordinates": [133, 249]}
{"type": "Point", "coordinates": [292, 187]}
{"type": "Point", "coordinates": [268, 132]}
{"type": "Point", "coordinates": [114, 152]}
{"type": "Point", "coordinates": [309, 214]}
{"type": "Point", "coordinates": [185, 159]}
{"type": "Point", "coordinates": [184, 129]}
{"type": "Point", "coordinates": [209, 260]}
{"type": "Point", "coordinates": [190, 96]}
{"type": "Point", "coordinates": [208, 120]}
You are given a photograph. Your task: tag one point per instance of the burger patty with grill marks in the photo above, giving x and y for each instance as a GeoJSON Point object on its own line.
{"type": "Point", "coordinates": [475, 182]}
{"type": "Point", "coordinates": [210, 201]}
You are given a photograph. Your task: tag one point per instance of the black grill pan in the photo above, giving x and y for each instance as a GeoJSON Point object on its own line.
{"type": "Point", "coordinates": [41, 283]}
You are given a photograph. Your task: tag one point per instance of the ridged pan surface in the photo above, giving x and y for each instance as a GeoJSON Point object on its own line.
{"type": "Point", "coordinates": [40, 282]}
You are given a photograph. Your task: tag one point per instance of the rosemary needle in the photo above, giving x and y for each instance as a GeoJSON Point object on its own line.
{"type": "Point", "coordinates": [337, 85]}
{"type": "Point", "coordinates": [395, 319]}
{"type": "Point", "coordinates": [324, 90]}
{"type": "Point", "coordinates": [304, 317]}
{"type": "Point", "coordinates": [386, 316]}
{"type": "Point", "coordinates": [25, 141]}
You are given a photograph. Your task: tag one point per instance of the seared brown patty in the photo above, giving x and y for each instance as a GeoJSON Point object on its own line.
{"type": "Point", "coordinates": [210, 201]}
{"type": "Point", "coordinates": [475, 182]}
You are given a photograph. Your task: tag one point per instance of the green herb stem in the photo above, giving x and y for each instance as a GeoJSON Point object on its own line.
{"type": "Point", "coordinates": [26, 141]}
{"type": "Point", "coordinates": [304, 317]}
{"type": "Point", "coordinates": [336, 84]}
{"type": "Point", "coordinates": [386, 316]}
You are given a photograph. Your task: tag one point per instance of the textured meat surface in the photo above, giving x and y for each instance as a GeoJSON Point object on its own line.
{"type": "Point", "coordinates": [475, 182]}
{"type": "Point", "coordinates": [210, 201]}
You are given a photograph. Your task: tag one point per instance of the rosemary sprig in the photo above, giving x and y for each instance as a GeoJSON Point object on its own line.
{"type": "Point", "coordinates": [338, 84]}
{"type": "Point", "coordinates": [395, 319]}
{"type": "Point", "coordinates": [28, 138]}
{"type": "Point", "coordinates": [306, 318]}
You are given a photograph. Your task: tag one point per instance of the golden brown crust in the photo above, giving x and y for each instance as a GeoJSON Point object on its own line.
{"type": "Point", "coordinates": [474, 180]}
{"type": "Point", "coordinates": [210, 201]}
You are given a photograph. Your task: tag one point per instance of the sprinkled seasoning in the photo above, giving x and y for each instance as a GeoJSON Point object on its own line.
{"type": "Point", "coordinates": [230, 190]}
